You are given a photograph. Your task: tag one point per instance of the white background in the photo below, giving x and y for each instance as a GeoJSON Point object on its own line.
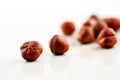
{"type": "Point", "coordinates": [26, 20]}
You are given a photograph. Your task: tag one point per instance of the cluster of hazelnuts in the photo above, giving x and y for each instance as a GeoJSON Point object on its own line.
{"type": "Point", "coordinates": [103, 31]}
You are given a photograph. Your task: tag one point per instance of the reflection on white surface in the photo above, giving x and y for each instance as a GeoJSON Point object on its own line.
{"type": "Point", "coordinates": [60, 63]}
{"type": "Point", "coordinates": [107, 56]}
{"type": "Point", "coordinates": [72, 39]}
{"type": "Point", "coordinates": [32, 69]}
{"type": "Point", "coordinates": [93, 51]}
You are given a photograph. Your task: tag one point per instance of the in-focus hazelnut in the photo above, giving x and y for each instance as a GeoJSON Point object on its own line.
{"type": "Point", "coordinates": [58, 45]}
{"type": "Point", "coordinates": [31, 50]}
{"type": "Point", "coordinates": [107, 38]}
{"type": "Point", "coordinates": [86, 34]}
{"type": "Point", "coordinates": [68, 28]}
{"type": "Point", "coordinates": [113, 23]}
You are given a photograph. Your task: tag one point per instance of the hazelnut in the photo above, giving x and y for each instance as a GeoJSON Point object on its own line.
{"type": "Point", "coordinates": [97, 24]}
{"type": "Point", "coordinates": [95, 17]}
{"type": "Point", "coordinates": [31, 50]}
{"type": "Point", "coordinates": [113, 23]}
{"type": "Point", "coordinates": [87, 24]}
{"type": "Point", "coordinates": [107, 38]}
{"type": "Point", "coordinates": [86, 34]}
{"type": "Point", "coordinates": [99, 27]}
{"type": "Point", "coordinates": [93, 20]}
{"type": "Point", "coordinates": [58, 45]}
{"type": "Point", "coordinates": [68, 28]}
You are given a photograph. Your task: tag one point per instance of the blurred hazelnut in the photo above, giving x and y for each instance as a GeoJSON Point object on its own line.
{"type": "Point", "coordinates": [86, 34]}
{"type": "Point", "coordinates": [93, 20]}
{"type": "Point", "coordinates": [87, 24]}
{"type": "Point", "coordinates": [68, 28]}
{"type": "Point", "coordinates": [113, 23]}
{"type": "Point", "coordinates": [58, 45]}
{"type": "Point", "coordinates": [107, 38]}
{"type": "Point", "coordinates": [94, 17]}
{"type": "Point", "coordinates": [31, 50]}
{"type": "Point", "coordinates": [97, 24]}
{"type": "Point", "coordinates": [99, 27]}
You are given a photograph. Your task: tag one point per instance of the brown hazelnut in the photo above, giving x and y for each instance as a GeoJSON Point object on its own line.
{"type": "Point", "coordinates": [58, 45]}
{"type": "Point", "coordinates": [99, 27]}
{"type": "Point", "coordinates": [97, 24]}
{"type": "Point", "coordinates": [93, 20]}
{"type": "Point", "coordinates": [94, 17]}
{"type": "Point", "coordinates": [68, 28]}
{"type": "Point", "coordinates": [86, 35]}
{"type": "Point", "coordinates": [87, 24]}
{"type": "Point", "coordinates": [113, 23]}
{"type": "Point", "coordinates": [107, 38]}
{"type": "Point", "coordinates": [31, 50]}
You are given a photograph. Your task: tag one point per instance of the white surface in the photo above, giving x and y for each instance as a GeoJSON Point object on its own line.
{"type": "Point", "coordinates": [26, 20]}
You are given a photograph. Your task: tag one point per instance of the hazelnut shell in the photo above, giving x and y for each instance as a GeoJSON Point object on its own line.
{"type": "Point", "coordinates": [107, 38]}
{"type": "Point", "coordinates": [31, 50]}
{"type": "Point", "coordinates": [113, 23]}
{"type": "Point", "coordinates": [68, 28]}
{"type": "Point", "coordinates": [86, 35]}
{"type": "Point", "coordinates": [58, 45]}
